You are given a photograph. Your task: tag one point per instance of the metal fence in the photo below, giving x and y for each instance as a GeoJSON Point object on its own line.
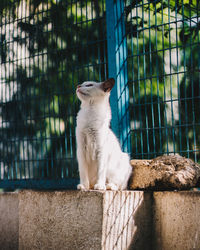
{"type": "Point", "coordinates": [48, 47]}
{"type": "Point", "coordinates": [164, 77]}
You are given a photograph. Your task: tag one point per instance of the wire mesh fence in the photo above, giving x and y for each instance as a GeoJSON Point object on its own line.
{"type": "Point", "coordinates": [164, 81]}
{"type": "Point", "coordinates": [48, 47]}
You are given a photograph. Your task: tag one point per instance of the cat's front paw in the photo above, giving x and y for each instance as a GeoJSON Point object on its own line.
{"type": "Point", "coordinates": [111, 186]}
{"type": "Point", "coordinates": [82, 187]}
{"type": "Point", "coordinates": [99, 186]}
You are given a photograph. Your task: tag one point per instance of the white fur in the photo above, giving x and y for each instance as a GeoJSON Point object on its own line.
{"type": "Point", "coordinates": [102, 164]}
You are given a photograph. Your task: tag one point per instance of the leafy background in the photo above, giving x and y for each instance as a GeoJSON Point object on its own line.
{"type": "Point", "coordinates": [48, 47]}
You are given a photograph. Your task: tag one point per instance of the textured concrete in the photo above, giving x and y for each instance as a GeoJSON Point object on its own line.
{"type": "Point", "coordinates": [60, 220]}
{"type": "Point", "coordinates": [165, 172]}
{"type": "Point", "coordinates": [127, 220]}
{"type": "Point", "coordinates": [100, 220]}
{"type": "Point", "coordinates": [9, 221]}
{"type": "Point", "coordinates": [177, 220]}
{"type": "Point", "coordinates": [84, 220]}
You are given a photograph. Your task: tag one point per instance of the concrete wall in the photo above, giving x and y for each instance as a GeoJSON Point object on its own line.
{"type": "Point", "coordinates": [60, 220]}
{"type": "Point", "coordinates": [127, 220]}
{"type": "Point", "coordinates": [84, 220]}
{"type": "Point", "coordinates": [177, 220]}
{"type": "Point", "coordinates": [9, 221]}
{"type": "Point", "coordinates": [100, 220]}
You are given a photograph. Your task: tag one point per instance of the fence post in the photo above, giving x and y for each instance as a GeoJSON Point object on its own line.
{"type": "Point", "coordinates": [117, 68]}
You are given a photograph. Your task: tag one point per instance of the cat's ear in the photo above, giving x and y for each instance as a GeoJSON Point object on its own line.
{"type": "Point", "coordinates": [108, 85]}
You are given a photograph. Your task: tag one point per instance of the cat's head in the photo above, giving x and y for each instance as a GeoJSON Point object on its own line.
{"type": "Point", "coordinates": [88, 91]}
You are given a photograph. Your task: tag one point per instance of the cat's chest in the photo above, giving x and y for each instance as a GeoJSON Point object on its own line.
{"type": "Point", "coordinates": [89, 121]}
{"type": "Point", "coordinates": [87, 137]}
{"type": "Point", "coordinates": [88, 133]}
{"type": "Point", "coordinates": [91, 129]}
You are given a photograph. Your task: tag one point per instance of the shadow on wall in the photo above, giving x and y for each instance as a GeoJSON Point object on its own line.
{"type": "Point", "coordinates": [127, 221]}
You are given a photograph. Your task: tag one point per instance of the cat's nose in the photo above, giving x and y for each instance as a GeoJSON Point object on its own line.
{"type": "Point", "coordinates": [78, 86]}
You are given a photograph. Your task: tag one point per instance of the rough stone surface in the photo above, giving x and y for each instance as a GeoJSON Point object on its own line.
{"type": "Point", "coordinates": [127, 220]}
{"type": "Point", "coordinates": [100, 220]}
{"type": "Point", "coordinates": [9, 221]}
{"type": "Point", "coordinates": [176, 220]}
{"type": "Point", "coordinates": [164, 172]}
{"type": "Point", "coordinates": [85, 220]}
{"type": "Point", "coordinates": [60, 220]}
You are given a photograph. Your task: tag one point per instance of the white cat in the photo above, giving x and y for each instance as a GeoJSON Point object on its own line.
{"type": "Point", "coordinates": [102, 164]}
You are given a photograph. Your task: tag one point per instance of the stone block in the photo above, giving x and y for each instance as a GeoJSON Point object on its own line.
{"type": "Point", "coordinates": [9, 221]}
{"type": "Point", "coordinates": [176, 220]}
{"type": "Point", "coordinates": [164, 173]}
{"type": "Point", "coordinates": [100, 220]}
{"type": "Point", "coordinates": [85, 220]}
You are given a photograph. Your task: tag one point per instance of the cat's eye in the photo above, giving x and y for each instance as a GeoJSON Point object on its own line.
{"type": "Point", "coordinates": [89, 85]}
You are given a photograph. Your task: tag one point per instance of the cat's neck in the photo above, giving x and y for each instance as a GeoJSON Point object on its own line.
{"type": "Point", "coordinates": [95, 113]}
{"type": "Point", "coordinates": [96, 104]}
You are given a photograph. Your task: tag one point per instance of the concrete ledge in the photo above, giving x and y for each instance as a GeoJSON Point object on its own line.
{"type": "Point", "coordinates": [126, 220]}
{"type": "Point", "coordinates": [9, 221]}
{"type": "Point", "coordinates": [100, 220]}
{"type": "Point", "coordinates": [84, 220]}
{"type": "Point", "coordinates": [60, 220]}
{"type": "Point", "coordinates": [176, 220]}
